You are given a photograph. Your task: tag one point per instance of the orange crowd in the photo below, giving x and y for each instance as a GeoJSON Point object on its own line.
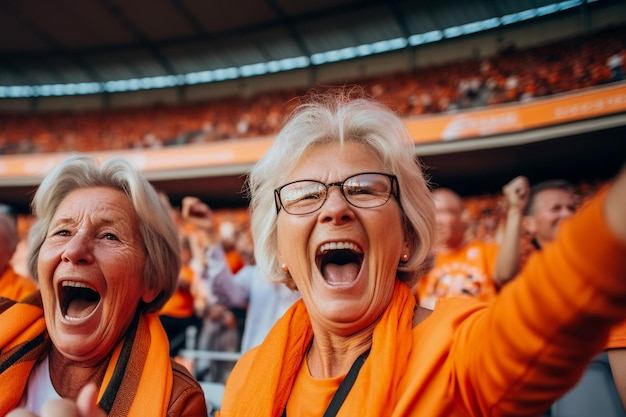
{"type": "Point", "coordinates": [512, 75]}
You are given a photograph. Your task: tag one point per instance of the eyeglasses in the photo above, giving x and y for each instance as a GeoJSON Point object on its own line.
{"type": "Point", "coordinates": [364, 190]}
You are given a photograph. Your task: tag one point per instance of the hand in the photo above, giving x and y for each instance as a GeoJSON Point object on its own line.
{"type": "Point", "coordinates": [86, 405]}
{"type": "Point", "coordinates": [517, 193]}
{"type": "Point", "coordinates": [197, 213]}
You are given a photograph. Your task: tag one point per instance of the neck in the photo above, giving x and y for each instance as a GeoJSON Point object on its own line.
{"type": "Point", "coordinates": [331, 356]}
{"type": "Point", "coordinates": [69, 377]}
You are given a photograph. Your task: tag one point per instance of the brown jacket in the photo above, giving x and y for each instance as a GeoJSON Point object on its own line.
{"type": "Point", "coordinates": [187, 398]}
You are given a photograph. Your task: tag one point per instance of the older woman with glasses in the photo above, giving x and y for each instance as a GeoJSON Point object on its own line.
{"type": "Point", "coordinates": [342, 213]}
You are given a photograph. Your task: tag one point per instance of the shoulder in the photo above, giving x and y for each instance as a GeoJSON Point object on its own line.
{"type": "Point", "coordinates": [187, 396]}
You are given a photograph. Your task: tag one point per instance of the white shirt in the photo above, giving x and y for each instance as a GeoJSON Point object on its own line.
{"type": "Point", "coordinates": [39, 388]}
{"type": "Point", "coordinates": [266, 301]}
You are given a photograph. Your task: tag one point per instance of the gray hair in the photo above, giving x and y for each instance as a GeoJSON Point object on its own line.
{"type": "Point", "coordinates": [156, 226]}
{"type": "Point", "coordinates": [336, 117]}
{"type": "Point", "coordinates": [535, 190]}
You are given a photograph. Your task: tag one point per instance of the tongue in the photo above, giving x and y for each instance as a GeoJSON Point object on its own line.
{"type": "Point", "coordinates": [338, 274]}
{"type": "Point", "coordinates": [79, 308]}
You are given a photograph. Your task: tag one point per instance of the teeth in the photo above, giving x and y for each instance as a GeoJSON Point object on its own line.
{"type": "Point", "coordinates": [75, 284]}
{"type": "Point", "coordinates": [340, 245]}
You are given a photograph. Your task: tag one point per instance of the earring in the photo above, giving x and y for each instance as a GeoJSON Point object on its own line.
{"type": "Point", "coordinates": [284, 267]}
{"type": "Point", "coordinates": [405, 257]}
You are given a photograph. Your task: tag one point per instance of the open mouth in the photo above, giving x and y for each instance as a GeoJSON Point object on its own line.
{"type": "Point", "coordinates": [339, 262]}
{"type": "Point", "coordinates": [77, 300]}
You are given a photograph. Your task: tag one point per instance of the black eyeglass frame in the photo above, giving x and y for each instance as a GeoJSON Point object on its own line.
{"type": "Point", "coordinates": [393, 191]}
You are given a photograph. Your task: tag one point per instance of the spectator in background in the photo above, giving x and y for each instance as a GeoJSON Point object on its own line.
{"type": "Point", "coordinates": [615, 63]}
{"type": "Point", "coordinates": [12, 285]}
{"type": "Point", "coordinates": [471, 267]}
{"type": "Point", "coordinates": [228, 239]}
{"type": "Point", "coordinates": [264, 300]}
{"type": "Point", "coordinates": [550, 203]}
{"type": "Point", "coordinates": [179, 313]}
{"type": "Point", "coordinates": [222, 321]}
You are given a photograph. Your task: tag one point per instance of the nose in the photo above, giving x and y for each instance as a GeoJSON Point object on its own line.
{"type": "Point", "coordinates": [336, 208]}
{"type": "Point", "coordinates": [78, 250]}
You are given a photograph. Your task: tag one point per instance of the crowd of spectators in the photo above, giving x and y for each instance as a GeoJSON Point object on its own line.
{"type": "Point", "coordinates": [512, 75]}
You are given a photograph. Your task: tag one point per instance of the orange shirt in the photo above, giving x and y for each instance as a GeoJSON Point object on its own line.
{"type": "Point", "coordinates": [15, 286]}
{"type": "Point", "coordinates": [180, 303]}
{"type": "Point", "coordinates": [466, 272]}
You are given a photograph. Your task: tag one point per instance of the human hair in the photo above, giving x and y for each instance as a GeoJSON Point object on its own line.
{"type": "Point", "coordinates": [156, 226]}
{"type": "Point", "coordinates": [535, 190]}
{"type": "Point", "coordinates": [339, 117]}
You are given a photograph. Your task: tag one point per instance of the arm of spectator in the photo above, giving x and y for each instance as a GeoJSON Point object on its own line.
{"type": "Point", "coordinates": [516, 192]}
{"type": "Point", "coordinates": [226, 289]}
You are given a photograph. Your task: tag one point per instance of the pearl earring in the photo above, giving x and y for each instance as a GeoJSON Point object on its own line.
{"type": "Point", "coordinates": [405, 257]}
{"type": "Point", "coordinates": [284, 267]}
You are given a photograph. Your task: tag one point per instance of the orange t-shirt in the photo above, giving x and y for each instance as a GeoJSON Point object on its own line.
{"type": "Point", "coordinates": [15, 286]}
{"type": "Point", "coordinates": [466, 272]}
{"type": "Point", "coordinates": [180, 303]}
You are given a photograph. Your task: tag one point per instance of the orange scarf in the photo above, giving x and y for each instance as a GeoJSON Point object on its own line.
{"type": "Point", "coordinates": [138, 379]}
{"type": "Point", "coordinates": [269, 381]}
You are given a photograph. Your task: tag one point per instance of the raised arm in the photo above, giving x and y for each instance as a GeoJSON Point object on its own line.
{"type": "Point", "coordinates": [534, 341]}
{"type": "Point", "coordinates": [507, 266]}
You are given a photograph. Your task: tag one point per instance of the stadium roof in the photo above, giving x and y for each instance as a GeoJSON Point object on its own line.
{"type": "Point", "coordinates": [97, 43]}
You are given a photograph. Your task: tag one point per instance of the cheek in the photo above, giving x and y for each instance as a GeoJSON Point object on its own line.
{"type": "Point", "coordinates": [290, 236]}
{"type": "Point", "coordinates": [47, 261]}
